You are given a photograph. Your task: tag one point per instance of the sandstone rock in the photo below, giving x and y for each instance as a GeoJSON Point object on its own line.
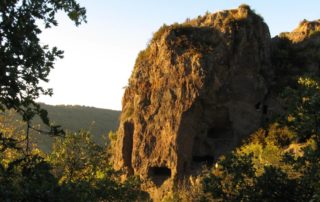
{"type": "Point", "coordinates": [196, 91]}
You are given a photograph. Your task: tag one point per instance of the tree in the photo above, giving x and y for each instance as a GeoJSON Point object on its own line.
{"type": "Point", "coordinates": [85, 174]}
{"type": "Point", "coordinates": [303, 108]}
{"type": "Point", "coordinates": [24, 62]}
{"type": "Point", "coordinates": [76, 157]}
{"type": "Point", "coordinates": [28, 179]}
{"type": "Point", "coordinates": [304, 118]}
{"type": "Point", "coordinates": [22, 177]}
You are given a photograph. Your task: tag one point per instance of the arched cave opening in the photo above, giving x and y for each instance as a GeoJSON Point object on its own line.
{"type": "Point", "coordinates": [159, 174]}
{"type": "Point", "coordinates": [206, 159]}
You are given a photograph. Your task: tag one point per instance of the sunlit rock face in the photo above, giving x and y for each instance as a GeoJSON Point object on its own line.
{"type": "Point", "coordinates": [305, 30]}
{"type": "Point", "coordinates": [196, 91]}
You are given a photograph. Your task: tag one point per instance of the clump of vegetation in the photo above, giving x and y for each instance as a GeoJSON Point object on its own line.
{"type": "Point", "coordinates": [245, 6]}
{"type": "Point", "coordinates": [76, 170]}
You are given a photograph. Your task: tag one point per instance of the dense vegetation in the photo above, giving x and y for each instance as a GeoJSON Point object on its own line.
{"type": "Point", "coordinates": [24, 61]}
{"type": "Point", "coordinates": [77, 169]}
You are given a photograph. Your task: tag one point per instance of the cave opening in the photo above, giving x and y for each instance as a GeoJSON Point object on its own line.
{"type": "Point", "coordinates": [159, 174]}
{"type": "Point", "coordinates": [216, 132]}
{"type": "Point", "coordinates": [128, 144]}
{"type": "Point", "coordinates": [205, 159]}
{"type": "Point", "coordinates": [257, 106]}
{"type": "Point", "coordinates": [265, 109]}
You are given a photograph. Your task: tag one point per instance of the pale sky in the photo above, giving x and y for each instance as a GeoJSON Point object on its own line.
{"type": "Point", "coordinates": [100, 55]}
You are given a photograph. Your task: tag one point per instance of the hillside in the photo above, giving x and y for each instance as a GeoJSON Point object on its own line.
{"type": "Point", "coordinates": [74, 118]}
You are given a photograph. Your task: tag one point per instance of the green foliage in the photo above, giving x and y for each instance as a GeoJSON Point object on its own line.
{"type": "Point", "coordinates": [303, 113]}
{"type": "Point", "coordinates": [232, 179]}
{"type": "Point", "coordinates": [28, 179]}
{"type": "Point", "coordinates": [275, 185]}
{"type": "Point", "coordinates": [77, 157]}
{"type": "Point", "coordinates": [112, 142]}
{"type": "Point", "coordinates": [24, 62]}
{"type": "Point", "coordinates": [76, 170]}
{"type": "Point", "coordinates": [235, 179]}
{"type": "Point", "coordinates": [85, 174]}
{"type": "Point", "coordinates": [245, 6]}
{"type": "Point", "coordinates": [268, 146]}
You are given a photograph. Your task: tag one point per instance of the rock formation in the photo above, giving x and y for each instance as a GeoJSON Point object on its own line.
{"type": "Point", "coordinates": [194, 93]}
{"type": "Point", "coordinates": [197, 91]}
{"type": "Point", "coordinates": [303, 31]}
{"type": "Point", "coordinates": [296, 53]}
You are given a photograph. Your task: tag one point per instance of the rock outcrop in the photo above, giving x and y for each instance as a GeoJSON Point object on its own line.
{"type": "Point", "coordinates": [196, 91]}
{"type": "Point", "coordinates": [305, 30]}
{"type": "Point", "coordinates": [201, 87]}
{"type": "Point", "coordinates": [296, 53]}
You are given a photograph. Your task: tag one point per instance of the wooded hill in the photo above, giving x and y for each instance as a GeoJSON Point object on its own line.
{"type": "Point", "coordinates": [74, 118]}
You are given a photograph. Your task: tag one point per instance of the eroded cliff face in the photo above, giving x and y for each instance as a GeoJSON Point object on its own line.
{"type": "Point", "coordinates": [196, 91]}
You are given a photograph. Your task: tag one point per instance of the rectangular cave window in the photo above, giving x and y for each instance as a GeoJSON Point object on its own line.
{"type": "Point", "coordinates": [159, 174]}
{"type": "Point", "coordinates": [206, 159]}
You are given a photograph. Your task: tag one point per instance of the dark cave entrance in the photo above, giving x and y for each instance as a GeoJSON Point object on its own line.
{"type": "Point", "coordinates": [128, 144]}
{"type": "Point", "coordinates": [216, 132]}
{"type": "Point", "coordinates": [159, 174]}
{"type": "Point", "coordinates": [265, 109]}
{"type": "Point", "coordinates": [257, 106]}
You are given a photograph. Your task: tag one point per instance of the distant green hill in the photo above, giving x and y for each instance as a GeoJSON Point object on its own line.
{"type": "Point", "coordinates": [74, 118]}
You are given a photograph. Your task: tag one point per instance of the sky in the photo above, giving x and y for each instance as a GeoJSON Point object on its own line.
{"type": "Point", "coordinates": [99, 55]}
